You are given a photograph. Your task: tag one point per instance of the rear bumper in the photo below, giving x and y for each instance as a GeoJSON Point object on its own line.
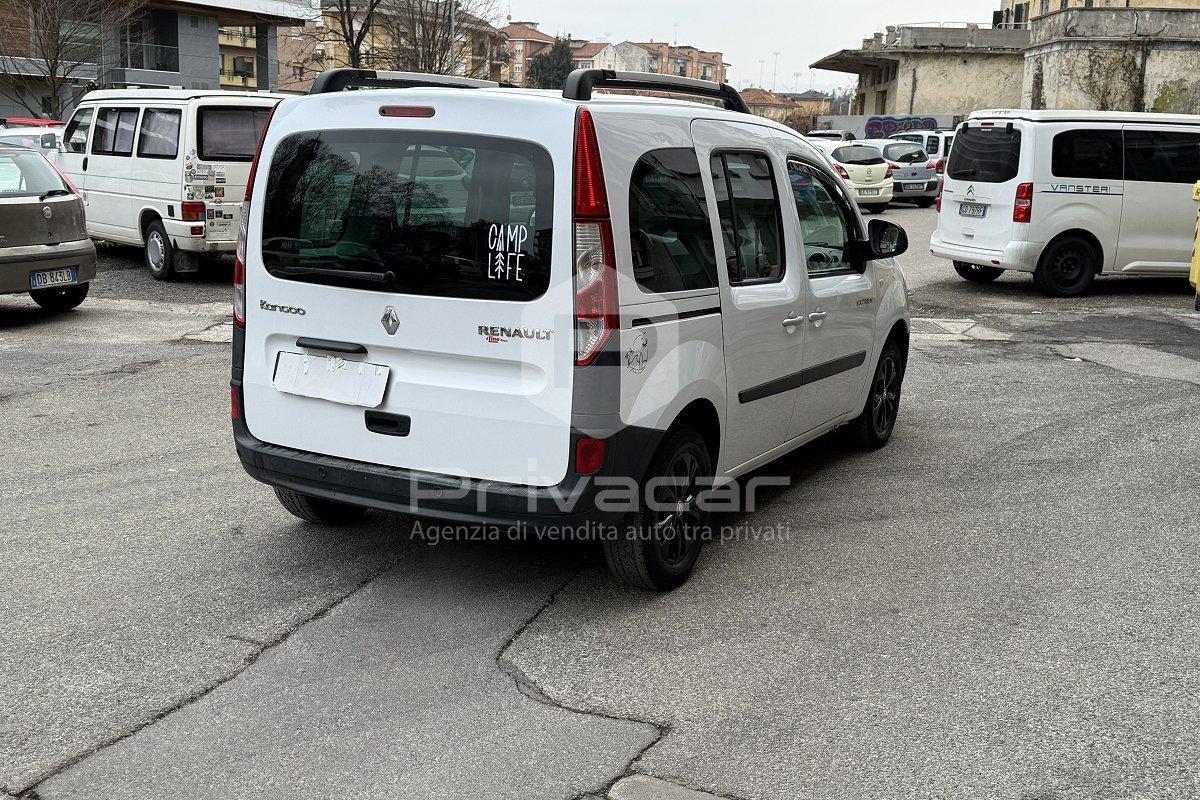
{"type": "Point", "coordinates": [1020, 256]}
{"type": "Point", "coordinates": [930, 190]}
{"type": "Point", "coordinates": [17, 262]}
{"type": "Point", "coordinates": [885, 193]}
{"type": "Point", "coordinates": [570, 505]}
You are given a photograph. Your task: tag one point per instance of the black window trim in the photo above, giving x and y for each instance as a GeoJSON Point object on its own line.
{"type": "Point", "coordinates": [137, 148]}
{"type": "Point", "coordinates": [137, 121]}
{"type": "Point", "coordinates": [677, 294]}
{"type": "Point", "coordinates": [857, 266]}
{"type": "Point", "coordinates": [200, 112]}
{"type": "Point", "coordinates": [1151, 127]}
{"type": "Point", "coordinates": [783, 249]}
{"type": "Point", "coordinates": [87, 139]}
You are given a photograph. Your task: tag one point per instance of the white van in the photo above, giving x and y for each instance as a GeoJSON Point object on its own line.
{"type": "Point", "coordinates": [548, 310]}
{"type": "Point", "coordinates": [1069, 195]}
{"type": "Point", "coordinates": [936, 144]}
{"type": "Point", "coordinates": [165, 169]}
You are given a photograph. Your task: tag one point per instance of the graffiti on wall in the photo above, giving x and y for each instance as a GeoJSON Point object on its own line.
{"type": "Point", "coordinates": [883, 127]}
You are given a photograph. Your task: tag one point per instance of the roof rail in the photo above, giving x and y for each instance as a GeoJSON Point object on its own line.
{"type": "Point", "coordinates": [581, 82]}
{"type": "Point", "coordinates": [335, 80]}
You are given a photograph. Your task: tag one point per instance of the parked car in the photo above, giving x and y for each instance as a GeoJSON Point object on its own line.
{"type": "Point", "coordinates": [936, 143]}
{"type": "Point", "coordinates": [45, 139]}
{"type": "Point", "coordinates": [604, 336]}
{"type": "Point", "coordinates": [1069, 195]}
{"type": "Point", "coordinates": [865, 169]}
{"type": "Point", "coordinates": [165, 169]}
{"type": "Point", "coordinates": [44, 247]}
{"type": "Point", "coordinates": [837, 136]}
{"type": "Point", "coordinates": [29, 122]}
{"type": "Point", "coordinates": [915, 177]}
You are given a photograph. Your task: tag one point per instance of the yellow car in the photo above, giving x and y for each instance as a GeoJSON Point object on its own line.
{"type": "Point", "coordinates": [1196, 249]}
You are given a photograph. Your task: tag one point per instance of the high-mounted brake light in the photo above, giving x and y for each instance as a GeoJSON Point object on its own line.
{"type": "Point", "coordinates": [595, 265]}
{"type": "Point", "coordinates": [1023, 204]}
{"type": "Point", "coordinates": [419, 112]}
{"type": "Point", "coordinates": [239, 262]}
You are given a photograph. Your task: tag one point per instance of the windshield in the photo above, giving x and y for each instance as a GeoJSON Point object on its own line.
{"type": "Point", "coordinates": [230, 133]}
{"type": "Point", "coordinates": [985, 155]}
{"type": "Point", "coordinates": [24, 174]}
{"type": "Point", "coordinates": [858, 154]}
{"type": "Point", "coordinates": [442, 215]}
{"type": "Point", "coordinates": [905, 153]}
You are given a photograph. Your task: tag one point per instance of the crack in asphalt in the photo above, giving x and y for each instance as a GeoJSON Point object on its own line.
{"type": "Point", "coordinates": [30, 791]}
{"type": "Point", "coordinates": [530, 688]}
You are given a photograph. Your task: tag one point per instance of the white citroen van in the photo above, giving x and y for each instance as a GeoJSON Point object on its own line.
{"type": "Point", "coordinates": [550, 311]}
{"type": "Point", "coordinates": [165, 169]}
{"type": "Point", "coordinates": [1069, 195]}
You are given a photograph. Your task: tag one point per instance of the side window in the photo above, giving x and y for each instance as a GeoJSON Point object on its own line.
{"type": "Point", "coordinates": [114, 131]}
{"type": "Point", "coordinates": [1162, 157]}
{"type": "Point", "coordinates": [76, 136]}
{"type": "Point", "coordinates": [1087, 154]}
{"type": "Point", "coordinates": [669, 232]}
{"type": "Point", "coordinates": [748, 205]}
{"type": "Point", "coordinates": [159, 135]}
{"type": "Point", "coordinates": [824, 223]}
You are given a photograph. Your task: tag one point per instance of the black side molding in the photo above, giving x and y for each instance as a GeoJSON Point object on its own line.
{"type": "Point", "coordinates": [802, 378]}
{"type": "Point", "coordinates": [581, 82]}
{"type": "Point", "coordinates": [641, 322]}
{"type": "Point", "coordinates": [347, 348]}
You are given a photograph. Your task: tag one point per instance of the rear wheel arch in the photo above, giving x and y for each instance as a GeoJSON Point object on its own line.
{"type": "Point", "coordinates": [701, 416]}
{"type": "Point", "coordinates": [147, 216]}
{"type": "Point", "coordinates": [1080, 233]}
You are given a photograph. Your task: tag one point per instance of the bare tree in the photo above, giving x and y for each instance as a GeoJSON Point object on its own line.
{"type": "Point", "coordinates": [62, 47]}
{"type": "Point", "coordinates": [444, 37]}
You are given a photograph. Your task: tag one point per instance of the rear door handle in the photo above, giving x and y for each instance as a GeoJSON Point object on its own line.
{"type": "Point", "coordinates": [347, 348]}
{"type": "Point", "coordinates": [817, 317]}
{"type": "Point", "coordinates": [792, 322]}
{"type": "Point", "coordinates": [85, 163]}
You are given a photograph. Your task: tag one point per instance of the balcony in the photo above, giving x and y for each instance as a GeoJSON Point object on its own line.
{"type": "Point", "coordinates": [238, 79]}
{"type": "Point", "coordinates": [229, 37]}
{"type": "Point", "coordinates": [158, 57]}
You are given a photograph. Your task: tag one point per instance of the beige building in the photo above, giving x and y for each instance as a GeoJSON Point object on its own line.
{"type": "Point", "coordinates": [1023, 12]}
{"type": "Point", "coordinates": [238, 61]}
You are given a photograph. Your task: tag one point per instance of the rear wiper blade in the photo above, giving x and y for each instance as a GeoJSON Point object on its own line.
{"type": "Point", "coordinates": [376, 277]}
{"type": "Point", "coordinates": [53, 193]}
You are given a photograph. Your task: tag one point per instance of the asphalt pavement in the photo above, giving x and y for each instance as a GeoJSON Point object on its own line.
{"type": "Point", "coordinates": [1000, 604]}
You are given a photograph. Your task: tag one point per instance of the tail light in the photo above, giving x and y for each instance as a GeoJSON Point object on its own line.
{"type": "Point", "coordinates": [840, 170]}
{"type": "Point", "coordinates": [941, 188]}
{"type": "Point", "coordinates": [589, 455]}
{"type": "Point", "coordinates": [239, 263]}
{"type": "Point", "coordinates": [595, 266]}
{"type": "Point", "coordinates": [940, 166]}
{"type": "Point", "coordinates": [1023, 204]}
{"type": "Point", "coordinates": [932, 165]}
{"type": "Point", "coordinates": [191, 212]}
{"type": "Point", "coordinates": [235, 403]}
{"type": "Point", "coordinates": [891, 170]}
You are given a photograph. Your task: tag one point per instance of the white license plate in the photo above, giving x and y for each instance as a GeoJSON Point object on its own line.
{"type": "Point", "coordinates": [53, 277]}
{"type": "Point", "coordinates": [868, 192]}
{"type": "Point", "coordinates": [352, 383]}
{"type": "Point", "coordinates": [914, 187]}
{"type": "Point", "coordinates": [972, 210]}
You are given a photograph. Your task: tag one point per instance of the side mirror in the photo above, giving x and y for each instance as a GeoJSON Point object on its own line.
{"type": "Point", "coordinates": [49, 141]}
{"type": "Point", "coordinates": [886, 239]}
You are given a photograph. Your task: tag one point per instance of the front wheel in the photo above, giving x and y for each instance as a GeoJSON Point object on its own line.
{"type": "Point", "coordinates": [874, 426]}
{"type": "Point", "coordinates": [977, 273]}
{"type": "Point", "coordinates": [62, 298]}
{"type": "Point", "coordinates": [660, 542]}
{"type": "Point", "coordinates": [1067, 268]}
{"type": "Point", "coordinates": [316, 509]}
{"type": "Point", "coordinates": [160, 255]}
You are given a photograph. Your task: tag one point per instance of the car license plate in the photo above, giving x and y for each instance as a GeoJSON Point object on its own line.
{"type": "Point", "coordinates": [53, 277]}
{"type": "Point", "coordinates": [868, 192]}
{"type": "Point", "coordinates": [914, 187]}
{"type": "Point", "coordinates": [972, 210]}
{"type": "Point", "coordinates": [352, 383]}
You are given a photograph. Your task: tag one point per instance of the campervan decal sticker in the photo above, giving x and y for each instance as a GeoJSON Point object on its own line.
{"type": "Point", "coordinates": [506, 248]}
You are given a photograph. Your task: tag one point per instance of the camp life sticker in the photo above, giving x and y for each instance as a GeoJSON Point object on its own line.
{"type": "Point", "coordinates": [506, 249]}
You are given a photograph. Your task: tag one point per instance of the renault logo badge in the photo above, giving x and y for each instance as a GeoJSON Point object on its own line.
{"type": "Point", "coordinates": [47, 212]}
{"type": "Point", "coordinates": [391, 322]}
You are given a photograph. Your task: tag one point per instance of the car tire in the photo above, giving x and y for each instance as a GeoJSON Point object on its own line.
{"type": "Point", "coordinates": [319, 510]}
{"type": "Point", "coordinates": [926, 202]}
{"type": "Point", "coordinates": [976, 273]}
{"type": "Point", "coordinates": [60, 298]}
{"type": "Point", "coordinates": [873, 428]}
{"type": "Point", "coordinates": [1067, 268]}
{"type": "Point", "coordinates": [657, 550]}
{"type": "Point", "coordinates": [160, 255]}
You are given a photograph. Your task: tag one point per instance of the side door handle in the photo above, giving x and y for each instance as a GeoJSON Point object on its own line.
{"type": "Point", "coordinates": [791, 322]}
{"type": "Point", "coordinates": [85, 163]}
{"type": "Point", "coordinates": [817, 317]}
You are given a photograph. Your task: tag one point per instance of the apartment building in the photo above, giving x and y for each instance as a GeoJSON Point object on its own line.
{"type": "Point", "coordinates": [523, 41]}
{"type": "Point", "coordinates": [239, 58]}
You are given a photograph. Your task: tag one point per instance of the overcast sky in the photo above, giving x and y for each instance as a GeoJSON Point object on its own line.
{"type": "Point", "coordinates": [746, 31]}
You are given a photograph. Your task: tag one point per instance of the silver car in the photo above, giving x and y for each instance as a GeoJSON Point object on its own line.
{"type": "Point", "coordinates": [913, 170]}
{"type": "Point", "coordinates": [44, 247]}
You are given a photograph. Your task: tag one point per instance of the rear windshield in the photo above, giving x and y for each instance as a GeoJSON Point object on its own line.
{"type": "Point", "coordinates": [858, 154]}
{"type": "Point", "coordinates": [985, 155]}
{"type": "Point", "coordinates": [27, 175]}
{"type": "Point", "coordinates": [228, 133]}
{"type": "Point", "coordinates": [905, 153]}
{"type": "Point", "coordinates": [440, 215]}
